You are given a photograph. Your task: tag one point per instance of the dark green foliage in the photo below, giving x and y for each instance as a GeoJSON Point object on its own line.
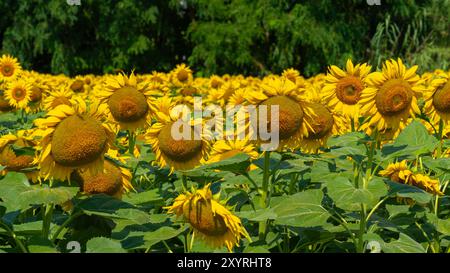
{"type": "Point", "coordinates": [215, 36]}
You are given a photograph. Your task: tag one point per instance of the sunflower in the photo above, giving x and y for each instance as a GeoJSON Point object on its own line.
{"type": "Point", "coordinates": [115, 180]}
{"type": "Point", "coordinates": [437, 99]}
{"type": "Point", "coordinates": [17, 154]}
{"type": "Point", "coordinates": [9, 68]}
{"type": "Point", "coordinates": [281, 92]}
{"type": "Point", "coordinates": [181, 75]}
{"type": "Point", "coordinates": [19, 93]}
{"type": "Point", "coordinates": [178, 153]}
{"type": "Point", "coordinates": [324, 123]}
{"type": "Point", "coordinates": [342, 88]}
{"type": "Point", "coordinates": [60, 96]}
{"type": "Point", "coordinates": [400, 173]}
{"type": "Point", "coordinates": [391, 96]}
{"type": "Point", "coordinates": [224, 149]}
{"type": "Point", "coordinates": [127, 101]}
{"type": "Point", "coordinates": [211, 221]}
{"type": "Point", "coordinates": [73, 138]}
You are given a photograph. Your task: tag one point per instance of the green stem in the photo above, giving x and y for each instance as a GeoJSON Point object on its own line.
{"type": "Point", "coordinates": [441, 130]}
{"type": "Point", "coordinates": [184, 182]}
{"type": "Point", "coordinates": [264, 193]}
{"type": "Point", "coordinates": [167, 246]}
{"type": "Point", "coordinates": [67, 222]}
{"type": "Point", "coordinates": [362, 229]}
{"type": "Point", "coordinates": [376, 207]}
{"type": "Point", "coordinates": [131, 142]}
{"type": "Point", "coordinates": [294, 179]}
{"type": "Point", "coordinates": [47, 219]}
{"type": "Point", "coordinates": [14, 236]}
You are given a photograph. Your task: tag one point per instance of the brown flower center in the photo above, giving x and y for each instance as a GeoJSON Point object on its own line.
{"type": "Point", "coordinates": [179, 150]}
{"type": "Point", "coordinates": [441, 98]}
{"type": "Point", "coordinates": [183, 75]}
{"type": "Point", "coordinates": [36, 94]}
{"type": "Point", "coordinates": [78, 140]}
{"type": "Point", "coordinates": [128, 105]}
{"type": "Point", "coordinates": [394, 97]}
{"type": "Point", "coordinates": [59, 101]}
{"type": "Point", "coordinates": [321, 123]}
{"type": "Point", "coordinates": [7, 70]}
{"type": "Point", "coordinates": [18, 163]}
{"type": "Point", "coordinates": [19, 93]}
{"type": "Point", "coordinates": [77, 86]}
{"type": "Point", "coordinates": [108, 182]}
{"type": "Point", "coordinates": [348, 90]}
{"type": "Point", "coordinates": [290, 115]}
{"type": "Point", "coordinates": [202, 218]}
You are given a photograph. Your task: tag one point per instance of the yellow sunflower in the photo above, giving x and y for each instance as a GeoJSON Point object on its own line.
{"type": "Point", "coordinates": [114, 180]}
{"type": "Point", "coordinates": [281, 92]}
{"type": "Point", "coordinates": [19, 93]}
{"type": "Point", "coordinates": [391, 96]}
{"type": "Point", "coordinates": [212, 222]}
{"type": "Point", "coordinates": [181, 75]}
{"type": "Point", "coordinates": [324, 123]}
{"type": "Point", "coordinates": [437, 99]}
{"type": "Point", "coordinates": [224, 149]}
{"type": "Point", "coordinates": [127, 101]}
{"type": "Point", "coordinates": [400, 173]}
{"type": "Point", "coordinates": [73, 138]}
{"type": "Point", "coordinates": [9, 68]}
{"type": "Point", "coordinates": [342, 88]}
{"type": "Point", "coordinates": [19, 162]}
{"type": "Point", "coordinates": [60, 96]}
{"type": "Point", "coordinates": [178, 153]}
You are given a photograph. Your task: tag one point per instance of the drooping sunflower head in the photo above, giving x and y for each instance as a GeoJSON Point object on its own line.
{"type": "Point", "coordinates": [9, 68]}
{"type": "Point", "coordinates": [224, 149]}
{"type": "Point", "coordinates": [391, 96]}
{"type": "Point", "coordinates": [114, 180]}
{"type": "Point", "coordinates": [73, 138]}
{"type": "Point", "coordinates": [210, 220]}
{"type": "Point", "coordinates": [342, 88]}
{"type": "Point", "coordinates": [437, 99]}
{"type": "Point", "coordinates": [177, 141]}
{"type": "Point", "coordinates": [19, 93]}
{"type": "Point", "coordinates": [281, 93]}
{"type": "Point", "coordinates": [127, 101]}
{"type": "Point", "coordinates": [181, 75]}
{"type": "Point", "coordinates": [397, 172]}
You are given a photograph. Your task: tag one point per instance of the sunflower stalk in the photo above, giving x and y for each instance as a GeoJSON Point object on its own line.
{"type": "Point", "coordinates": [264, 194]}
{"type": "Point", "coordinates": [440, 137]}
{"type": "Point", "coordinates": [47, 219]}
{"type": "Point", "coordinates": [14, 236]}
{"type": "Point", "coordinates": [131, 142]}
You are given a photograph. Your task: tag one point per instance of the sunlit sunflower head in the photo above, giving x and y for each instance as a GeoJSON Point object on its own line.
{"type": "Point", "coordinates": [224, 149]}
{"type": "Point", "coordinates": [18, 93]}
{"type": "Point", "coordinates": [181, 75]}
{"type": "Point", "coordinates": [9, 68]}
{"type": "Point", "coordinates": [342, 88]}
{"type": "Point", "coordinates": [177, 141]}
{"type": "Point", "coordinates": [238, 97]}
{"type": "Point", "coordinates": [211, 221]}
{"type": "Point", "coordinates": [78, 86]}
{"type": "Point", "coordinates": [215, 82]}
{"type": "Point", "coordinates": [115, 180]}
{"type": "Point", "coordinates": [391, 96]}
{"type": "Point", "coordinates": [292, 108]}
{"type": "Point", "coordinates": [397, 172]}
{"type": "Point", "coordinates": [437, 99]}
{"type": "Point", "coordinates": [426, 183]}
{"type": "Point", "coordinates": [323, 124]}
{"type": "Point", "coordinates": [59, 96]}
{"type": "Point", "coordinates": [73, 138]}
{"type": "Point", "coordinates": [127, 101]}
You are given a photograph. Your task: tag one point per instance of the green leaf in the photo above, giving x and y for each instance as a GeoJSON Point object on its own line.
{"type": "Point", "coordinates": [302, 209]}
{"type": "Point", "coordinates": [162, 234]}
{"type": "Point", "coordinates": [37, 244]}
{"type": "Point", "coordinates": [346, 196]}
{"type": "Point", "coordinates": [237, 164]}
{"type": "Point", "coordinates": [404, 244]}
{"type": "Point", "coordinates": [143, 198]}
{"type": "Point", "coordinates": [413, 141]}
{"type": "Point", "coordinates": [407, 191]}
{"type": "Point", "coordinates": [103, 245]}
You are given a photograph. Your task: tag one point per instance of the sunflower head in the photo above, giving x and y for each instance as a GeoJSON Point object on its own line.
{"type": "Point", "coordinates": [181, 75]}
{"type": "Point", "coordinates": [9, 68]}
{"type": "Point", "coordinates": [19, 93]}
{"type": "Point", "coordinates": [213, 222]}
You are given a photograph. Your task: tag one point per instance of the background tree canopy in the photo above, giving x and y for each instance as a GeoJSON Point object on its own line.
{"type": "Point", "coordinates": [251, 37]}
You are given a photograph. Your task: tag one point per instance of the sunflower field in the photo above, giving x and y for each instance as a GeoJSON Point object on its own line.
{"type": "Point", "coordinates": [90, 163]}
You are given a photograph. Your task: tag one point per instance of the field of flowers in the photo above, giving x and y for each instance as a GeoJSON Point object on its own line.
{"type": "Point", "coordinates": [91, 164]}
